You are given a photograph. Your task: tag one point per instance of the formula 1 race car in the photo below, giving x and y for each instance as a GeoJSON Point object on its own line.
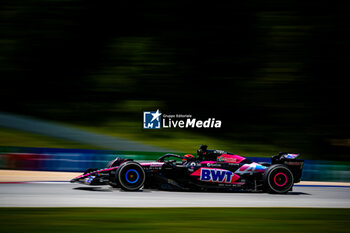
{"type": "Point", "coordinates": [211, 170]}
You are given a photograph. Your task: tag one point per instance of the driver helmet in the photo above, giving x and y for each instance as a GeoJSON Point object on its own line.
{"type": "Point", "coordinates": [202, 151]}
{"type": "Point", "coordinates": [188, 157]}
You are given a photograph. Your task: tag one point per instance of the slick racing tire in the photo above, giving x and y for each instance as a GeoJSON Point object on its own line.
{"type": "Point", "coordinates": [130, 176]}
{"type": "Point", "coordinates": [278, 179]}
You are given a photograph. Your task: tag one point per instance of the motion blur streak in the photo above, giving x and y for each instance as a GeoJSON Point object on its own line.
{"type": "Point", "coordinates": [277, 67]}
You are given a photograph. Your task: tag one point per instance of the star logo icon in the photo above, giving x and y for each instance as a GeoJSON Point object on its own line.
{"type": "Point", "coordinates": [152, 119]}
{"type": "Point", "coordinates": [156, 115]}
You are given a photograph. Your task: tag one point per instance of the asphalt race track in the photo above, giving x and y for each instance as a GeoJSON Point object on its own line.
{"type": "Point", "coordinates": [75, 195]}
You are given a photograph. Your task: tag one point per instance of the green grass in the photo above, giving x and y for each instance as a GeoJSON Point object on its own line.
{"type": "Point", "coordinates": [181, 140]}
{"type": "Point", "coordinates": [170, 139]}
{"type": "Point", "coordinates": [178, 220]}
{"type": "Point", "coordinates": [11, 137]}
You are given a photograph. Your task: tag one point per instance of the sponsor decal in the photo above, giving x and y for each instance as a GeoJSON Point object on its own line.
{"type": "Point", "coordinates": [293, 163]}
{"type": "Point", "coordinates": [157, 120]}
{"type": "Point", "coordinates": [89, 179]}
{"type": "Point", "coordinates": [216, 175]}
{"type": "Point", "coordinates": [230, 158]}
{"type": "Point", "coordinates": [250, 168]}
{"type": "Point", "coordinates": [290, 156]}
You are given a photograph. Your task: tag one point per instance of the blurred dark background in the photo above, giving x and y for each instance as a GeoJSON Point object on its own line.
{"type": "Point", "coordinates": [274, 72]}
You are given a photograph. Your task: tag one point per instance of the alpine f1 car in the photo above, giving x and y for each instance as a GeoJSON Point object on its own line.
{"type": "Point", "coordinates": [211, 170]}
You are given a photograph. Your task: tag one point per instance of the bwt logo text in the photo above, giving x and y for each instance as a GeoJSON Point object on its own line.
{"type": "Point", "coordinates": [216, 175]}
{"type": "Point", "coordinates": [151, 120]}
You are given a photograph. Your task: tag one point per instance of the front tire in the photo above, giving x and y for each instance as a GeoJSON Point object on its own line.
{"type": "Point", "coordinates": [130, 176]}
{"type": "Point", "coordinates": [278, 179]}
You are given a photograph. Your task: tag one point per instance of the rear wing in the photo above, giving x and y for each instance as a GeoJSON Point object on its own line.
{"type": "Point", "coordinates": [289, 159]}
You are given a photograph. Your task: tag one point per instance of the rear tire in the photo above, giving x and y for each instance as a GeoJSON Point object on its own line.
{"type": "Point", "coordinates": [278, 179]}
{"type": "Point", "coordinates": [130, 176]}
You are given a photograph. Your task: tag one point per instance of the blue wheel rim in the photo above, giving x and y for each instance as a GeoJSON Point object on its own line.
{"type": "Point", "coordinates": [137, 176]}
